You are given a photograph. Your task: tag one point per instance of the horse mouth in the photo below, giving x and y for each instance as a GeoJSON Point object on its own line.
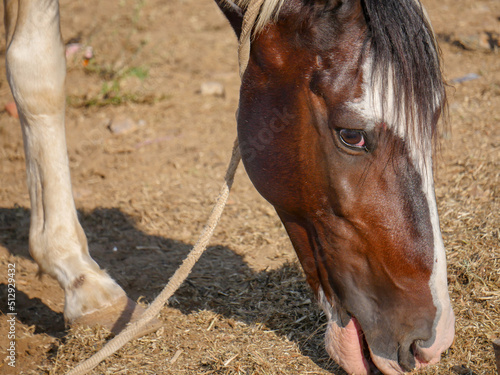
{"type": "Point", "coordinates": [347, 345]}
{"type": "Point", "coordinates": [370, 365]}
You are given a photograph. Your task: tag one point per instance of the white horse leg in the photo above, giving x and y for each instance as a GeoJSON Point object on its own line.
{"type": "Point", "coordinates": [36, 70]}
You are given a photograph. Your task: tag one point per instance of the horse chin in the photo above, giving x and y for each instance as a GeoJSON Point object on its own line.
{"type": "Point", "coordinates": [348, 347]}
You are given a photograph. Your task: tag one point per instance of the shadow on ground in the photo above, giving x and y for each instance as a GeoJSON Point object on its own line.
{"type": "Point", "coordinates": [221, 281]}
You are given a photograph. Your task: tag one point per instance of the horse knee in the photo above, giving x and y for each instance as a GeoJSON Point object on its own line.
{"type": "Point", "coordinates": [37, 85]}
{"type": "Point", "coordinates": [36, 65]}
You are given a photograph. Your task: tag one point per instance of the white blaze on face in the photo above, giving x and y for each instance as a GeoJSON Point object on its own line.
{"type": "Point", "coordinates": [375, 108]}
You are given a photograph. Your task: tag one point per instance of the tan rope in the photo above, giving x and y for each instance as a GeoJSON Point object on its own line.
{"type": "Point", "coordinates": [133, 330]}
{"type": "Point", "coordinates": [176, 280]}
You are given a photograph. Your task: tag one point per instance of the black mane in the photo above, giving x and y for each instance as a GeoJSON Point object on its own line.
{"type": "Point", "coordinates": [402, 44]}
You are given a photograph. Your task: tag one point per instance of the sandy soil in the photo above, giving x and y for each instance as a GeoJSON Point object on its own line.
{"type": "Point", "coordinates": [143, 196]}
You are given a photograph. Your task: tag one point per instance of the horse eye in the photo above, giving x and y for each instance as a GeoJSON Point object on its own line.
{"type": "Point", "coordinates": [353, 138]}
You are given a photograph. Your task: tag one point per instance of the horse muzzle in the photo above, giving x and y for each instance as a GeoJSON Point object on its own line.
{"type": "Point", "coordinates": [348, 346]}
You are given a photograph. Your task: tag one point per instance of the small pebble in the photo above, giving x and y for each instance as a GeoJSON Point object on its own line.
{"type": "Point", "coordinates": [212, 89]}
{"type": "Point", "coordinates": [122, 125]}
{"type": "Point", "coordinates": [465, 78]}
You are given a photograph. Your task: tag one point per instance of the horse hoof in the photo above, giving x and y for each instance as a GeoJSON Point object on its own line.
{"type": "Point", "coordinates": [117, 316]}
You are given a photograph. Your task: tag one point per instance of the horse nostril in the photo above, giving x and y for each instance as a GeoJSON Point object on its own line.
{"type": "Point", "coordinates": [406, 357]}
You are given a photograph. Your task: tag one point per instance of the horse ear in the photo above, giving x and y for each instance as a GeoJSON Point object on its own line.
{"type": "Point", "coordinates": [233, 13]}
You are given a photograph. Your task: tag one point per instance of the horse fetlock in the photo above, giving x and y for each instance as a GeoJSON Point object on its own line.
{"type": "Point", "coordinates": [58, 250]}
{"type": "Point", "coordinates": [63, 254]}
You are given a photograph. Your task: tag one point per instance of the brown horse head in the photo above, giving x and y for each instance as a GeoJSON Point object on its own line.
{"type": "Point", "coordinates": [338, 107]}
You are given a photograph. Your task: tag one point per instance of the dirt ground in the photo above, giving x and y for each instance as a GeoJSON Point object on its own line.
{"type": "Point", "coordinates": [143, 196]}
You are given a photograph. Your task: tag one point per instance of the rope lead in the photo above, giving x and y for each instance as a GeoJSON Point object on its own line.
{"type": "Point", "coordinates": [133, 330]}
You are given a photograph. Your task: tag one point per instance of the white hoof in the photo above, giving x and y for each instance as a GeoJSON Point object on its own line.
{"type": "Point", "coordinates": [117, 316]}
